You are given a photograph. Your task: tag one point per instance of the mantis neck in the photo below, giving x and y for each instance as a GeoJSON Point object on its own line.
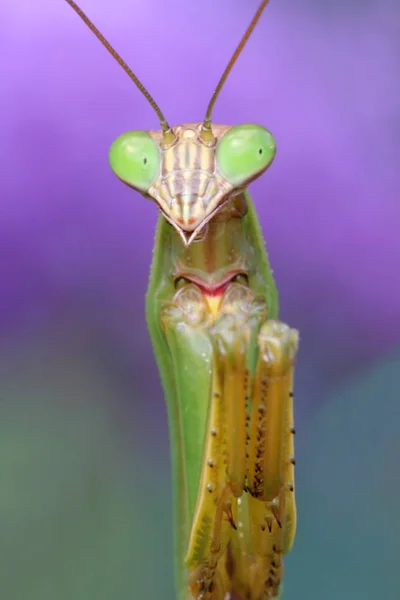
{"type": "Point", "coordinates": [219, 254]}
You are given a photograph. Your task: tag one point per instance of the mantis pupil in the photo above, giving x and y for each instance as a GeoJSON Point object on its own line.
{"type": "Point", "coordinates": [145, 161]}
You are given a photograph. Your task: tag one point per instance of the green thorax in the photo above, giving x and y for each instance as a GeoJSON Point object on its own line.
{"type": "Point", "coordinates": [232, 244]}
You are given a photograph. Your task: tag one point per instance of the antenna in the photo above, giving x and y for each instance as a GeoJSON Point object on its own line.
{"type": "Point", "coordinates": [164, 124]}
{"type": "Point", "coordinates": [206, 127]}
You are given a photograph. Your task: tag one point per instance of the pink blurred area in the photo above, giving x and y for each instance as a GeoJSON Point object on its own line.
{"type": "Point", "coordinates": [322, 79]}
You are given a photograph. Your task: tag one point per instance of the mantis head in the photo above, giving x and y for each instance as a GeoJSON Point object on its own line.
{"type": "Point", "coordinates": [190, 171]}
{"type": "Point", "coordinates": [192, 178]}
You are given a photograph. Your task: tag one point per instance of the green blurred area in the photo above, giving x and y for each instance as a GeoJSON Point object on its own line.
{"type": "Point", "coordinates": [348, 490]}
{"type": "Point", "coordinates": [84, 513]}
{"type": "Point", "coordinates": [85, 504]}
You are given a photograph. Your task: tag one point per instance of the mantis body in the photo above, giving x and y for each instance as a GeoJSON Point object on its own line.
{"type": "Point", "coordinates": [226, 361]}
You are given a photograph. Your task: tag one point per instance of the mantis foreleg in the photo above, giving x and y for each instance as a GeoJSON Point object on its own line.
{"type": "Point", "coordinates": [248, 444]}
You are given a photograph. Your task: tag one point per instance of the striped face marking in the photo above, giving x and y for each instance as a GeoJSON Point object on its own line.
{"type": "Point", "coordinates": [190, 189]}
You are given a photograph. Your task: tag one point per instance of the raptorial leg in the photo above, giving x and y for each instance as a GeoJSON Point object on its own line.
{"type": "Point", "coordinates": [242, 443]}
{"type": "Point", "coordinates": [224, 467]}
{"type": "Point", "coordinates": [223, 477]}
{"type": "Point", "coordinates": [270, 475]}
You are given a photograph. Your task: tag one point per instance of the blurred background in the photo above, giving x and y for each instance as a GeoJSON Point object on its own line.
{"type": "Point", "coordinates": [85, 495]}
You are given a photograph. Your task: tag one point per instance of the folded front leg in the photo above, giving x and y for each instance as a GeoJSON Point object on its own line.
{"type": "Point", "coordinates": [223, 477]}
{"type": "Point", "coordinates": [233, 370]}
{"type": "Point", "coordinates": [270, 505]}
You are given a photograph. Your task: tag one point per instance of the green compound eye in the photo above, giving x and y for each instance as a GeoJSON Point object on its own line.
{"type": "Point", "coordinates": [135, 158]}
{"type": "Point", "coordinates": [244, 152]}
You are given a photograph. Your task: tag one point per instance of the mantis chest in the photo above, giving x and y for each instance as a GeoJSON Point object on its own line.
{"type": "Point", "coordinates": [226, 365]}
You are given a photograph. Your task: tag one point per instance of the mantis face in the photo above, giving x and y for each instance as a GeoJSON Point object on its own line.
{"type": "Point", "coordinates": [192, 176]}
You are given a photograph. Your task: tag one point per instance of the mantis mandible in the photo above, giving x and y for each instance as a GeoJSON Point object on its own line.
{"type": "Point", "coordinates": [226, 361]}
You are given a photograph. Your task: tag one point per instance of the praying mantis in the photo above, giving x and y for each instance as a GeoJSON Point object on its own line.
{"type": "Point", "coordinates": [226, 362]}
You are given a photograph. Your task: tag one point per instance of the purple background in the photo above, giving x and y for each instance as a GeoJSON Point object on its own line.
{"type": "Point", "coordinates": [75, 244]}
